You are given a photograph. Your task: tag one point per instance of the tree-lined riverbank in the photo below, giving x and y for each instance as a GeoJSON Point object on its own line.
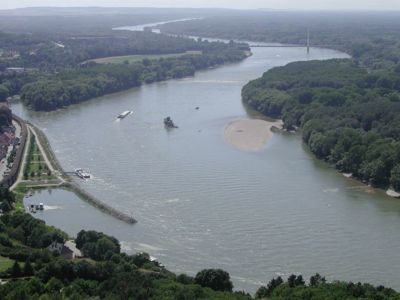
{"type": "Point", "coordinates": [38, 147]}
{"type": "Point", "coordinates": [165, 175]}
{"type": "Point", "coordinates": [348, 117]}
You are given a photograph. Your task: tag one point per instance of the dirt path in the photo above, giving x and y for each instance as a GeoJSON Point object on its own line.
{"type": "Point", "coordinates": [44, 155]}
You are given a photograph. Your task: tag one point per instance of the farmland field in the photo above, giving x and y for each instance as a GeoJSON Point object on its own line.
{"type": "Point", "coordinates": [140, 57]}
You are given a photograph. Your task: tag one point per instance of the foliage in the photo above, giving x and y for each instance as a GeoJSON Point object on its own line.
{"type": "Point", "coordinates": [395, 177]}
{"type": "Point", "coordinates": [92, 80]}
{"type": "Point", "coordinates": [30, 231]}
{"type": "Point", "coordinates": [7, 200]}
{"type": "Point", "coordinates": [332, 291]}
{"type": "Point", "coordinates": [349, 117]}
{"type": "Point", "coordinates": [265, 292]}
{"type": "Point", "coordinates": [110, 274]}
{"type": "Point", "coordinates": [216, 279]}
{"type": "Point", "coordinates": [370, 37]}
{"type": "Point", "coordinates": [97, 245]}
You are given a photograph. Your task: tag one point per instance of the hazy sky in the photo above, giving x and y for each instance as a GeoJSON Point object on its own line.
{"type": "Point", "coordinates": [276, 4]}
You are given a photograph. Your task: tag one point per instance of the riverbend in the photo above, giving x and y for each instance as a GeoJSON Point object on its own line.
{"type": "Point", "coordinates": [200, 202]}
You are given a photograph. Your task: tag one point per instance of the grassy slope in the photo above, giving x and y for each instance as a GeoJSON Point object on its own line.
{"type": "Point", "coordinates": [5, 263]}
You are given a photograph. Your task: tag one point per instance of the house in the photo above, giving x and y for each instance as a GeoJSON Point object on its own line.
{"type": "Point", "coordinates": [67, 250]}
{"type": "Point", "coordinates": [5, 140]}
{"type": "Point", "coordinates": [55, 247]}
{"type": "Point", "coordinates": [76, 253]}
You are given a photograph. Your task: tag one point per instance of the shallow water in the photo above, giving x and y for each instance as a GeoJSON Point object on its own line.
{"type": "Point", "coordinates": [201, 203]}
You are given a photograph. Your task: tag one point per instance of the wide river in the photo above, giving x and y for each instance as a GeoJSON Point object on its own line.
{"type": "Point", "coordinates": [201, 203]}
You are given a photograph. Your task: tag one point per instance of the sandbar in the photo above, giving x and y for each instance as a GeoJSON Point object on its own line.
{"type": "Point", "coordinates": [250, 134]}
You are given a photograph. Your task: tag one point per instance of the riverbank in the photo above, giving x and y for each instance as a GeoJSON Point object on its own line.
{"type": "Point", "coordinates": [250, 134]}
{"type": "Point", "coordinates": [57, 177]}
{"type": "Point", "coordinates": [195, 198]}
{"type": "Point", "coordinates": [323, 116]}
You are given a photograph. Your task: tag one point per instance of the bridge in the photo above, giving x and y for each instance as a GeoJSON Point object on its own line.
{"type": "Point", "coordinates": [307, 45]}
{"type": "Point", "coordinates": [276, 46]}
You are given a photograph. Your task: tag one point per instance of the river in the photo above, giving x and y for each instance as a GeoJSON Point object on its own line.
{"type": "Point", "coordinates": [201, 203]}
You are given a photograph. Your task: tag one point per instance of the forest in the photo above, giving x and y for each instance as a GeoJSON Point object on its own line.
{"type": "Point", "coordinates": [32, 271]}
{"type": "Point", "coordinates": [348, 117]}
{"type": "Point", "coordinates": [46, 54]}
{"type": "Point", "coordinates": [54, 67]}
{"type": "Point", "coordinates": [91, 80]}
{"type": "Point", "coordinates": [371, 38]}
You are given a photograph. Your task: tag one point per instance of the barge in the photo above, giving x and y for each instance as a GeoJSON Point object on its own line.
{"type": "Point", "coordinates": [124, 114]}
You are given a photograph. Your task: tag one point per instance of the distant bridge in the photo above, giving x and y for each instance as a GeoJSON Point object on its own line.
{"type": "Point", "coordinates": [307, 45]}
{"type": "Point", "coordinates": [277, 46]}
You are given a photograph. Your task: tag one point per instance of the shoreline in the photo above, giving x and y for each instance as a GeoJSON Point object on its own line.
{"type": "Point", "coordinates": [67, 181]}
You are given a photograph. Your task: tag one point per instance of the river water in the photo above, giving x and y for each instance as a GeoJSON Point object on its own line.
{"type": "Point", "coordinates": [201, 203]}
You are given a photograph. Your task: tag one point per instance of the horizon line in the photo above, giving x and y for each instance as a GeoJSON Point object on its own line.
{"type": "Point", "coordinates": [265, 9]}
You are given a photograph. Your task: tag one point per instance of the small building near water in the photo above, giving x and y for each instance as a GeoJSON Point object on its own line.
{"type": "Point", "coordinates": [67, 250]}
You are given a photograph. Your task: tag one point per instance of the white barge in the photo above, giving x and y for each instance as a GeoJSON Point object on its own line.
{"type": "Point", "coordinates": [124, 114]}
{"type": "Point", "coordinates": [82, 174]}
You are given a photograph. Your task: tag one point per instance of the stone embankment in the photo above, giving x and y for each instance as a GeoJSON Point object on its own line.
{"type": "Point", "coordinates": [64, 181]}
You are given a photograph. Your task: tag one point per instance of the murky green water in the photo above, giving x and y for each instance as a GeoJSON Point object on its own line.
{"type": "Point", "coordinates": [200, 203]}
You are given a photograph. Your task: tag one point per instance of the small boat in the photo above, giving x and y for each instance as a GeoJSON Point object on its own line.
{"type": "Point", "coordinates": [124, 114]}
{"type": "Point", "coordinates": [32, 209]}
{"type": "Point", "coordinates": [82, 174]}
{"type": "Point", "coordinates": [169, 123]}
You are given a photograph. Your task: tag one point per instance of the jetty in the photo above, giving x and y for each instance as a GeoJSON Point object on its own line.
{"type": "Point", "coordinates": [35, 145]}
{"type": "Point", "coordinates": [127, 218]}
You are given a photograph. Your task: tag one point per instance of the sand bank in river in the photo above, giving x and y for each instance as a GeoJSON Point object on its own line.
{"type": "Point", "coordinates": [249, 134]}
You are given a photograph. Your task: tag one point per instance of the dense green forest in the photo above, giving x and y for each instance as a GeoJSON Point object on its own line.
{"type": "Point", "coordinates": [93, 80]}
{"type": "Point", "coordinates": [348, 117]}
{"type": "Point", "coordinates": [55, 69]}
{"type": "Point", "coordinates": [46, 54]}
{"type": "Point", "coordinates": [372, 38]}
{"type": "Point", "coordinates": [105, 272]}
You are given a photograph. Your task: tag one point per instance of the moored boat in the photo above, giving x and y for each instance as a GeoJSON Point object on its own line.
{"type": "Point", "coordinates": [124, 114]}
{"type": "Point", "coordinates": [82, 174]}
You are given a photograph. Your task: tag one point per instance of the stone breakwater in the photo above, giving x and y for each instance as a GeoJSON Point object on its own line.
{"type": "Point", "coordinates": [74, 187]}
{"type": "Point", "coordinates": [99, 204]}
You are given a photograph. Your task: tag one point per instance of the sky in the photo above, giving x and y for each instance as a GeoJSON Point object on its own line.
{"type": "Point", "coordinates": [238, 4]}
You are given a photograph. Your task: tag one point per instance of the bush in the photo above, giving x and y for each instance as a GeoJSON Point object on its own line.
{"type": "Point", "coordinates": [216, 279]}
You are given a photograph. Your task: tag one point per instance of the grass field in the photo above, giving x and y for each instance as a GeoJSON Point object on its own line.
{"type": "Point", "coordinates": [36, 168]}
{"type": "Point", "coordinates": [135, 58]}
{"type": "Point", "coordinates": [5, 263]}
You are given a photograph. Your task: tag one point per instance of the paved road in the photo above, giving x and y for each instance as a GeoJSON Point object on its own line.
{"type": "Point", "coordinates": [23, 162]}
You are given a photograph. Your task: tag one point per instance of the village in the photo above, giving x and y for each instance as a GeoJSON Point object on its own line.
{"type": "Point", "coordinates": [10, 140]}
